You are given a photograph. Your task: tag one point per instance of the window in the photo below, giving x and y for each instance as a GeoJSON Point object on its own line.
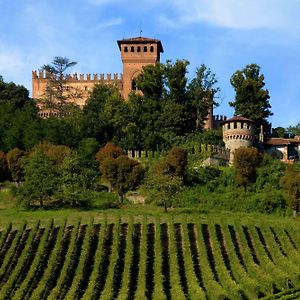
{"type": "Point", "coordinates": [235, 125]}
{"type": "Point", "coordinates": [125, 49]}
{"type": "Point", "coordinates": [132, 49]}
{"type": "Point", "coordinates": [151, 48]}
{"type": "Point", "coordinates": [138, 48]}
{"type": "Point", "coordinates": [133, 85]}
{"type": "Point", "coordinates": [145, 49]}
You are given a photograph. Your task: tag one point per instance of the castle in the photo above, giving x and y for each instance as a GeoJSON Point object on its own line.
{"type": "Point", "coordinates": [135, 54]}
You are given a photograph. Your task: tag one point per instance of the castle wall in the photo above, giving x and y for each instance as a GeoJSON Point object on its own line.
{"type": "Point", "coordinates": [82, 85]}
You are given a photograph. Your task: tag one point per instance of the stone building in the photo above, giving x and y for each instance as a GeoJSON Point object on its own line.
{"type": "Point", "coordinates": [238, 132]}
{"type": "Point", "coordinates": [135, 53]}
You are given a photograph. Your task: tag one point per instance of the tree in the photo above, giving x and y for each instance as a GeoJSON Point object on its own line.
{"type": "Point", "coordinates": [251, 99]}
{"type": "Point", "coordinates": [246, 161]}
{"type": "Point", "coordinates": [40, 179]}
{"type": "Point", "coordinates": [293, 130]}
{"type": "Point", "coordinates": [175, 163]}
{"type": "Point", "coordinates": [290, 183]}
{"type": "Point", "coordinates": [57, 92]}
{"type": "Point", "coordinates": [166, 187]}
{"type": "Point", "coordinates": [202, 92]}
{"type": "Point", "coordinates": [108, 153]}
{"type": "Point", "coordinates": [14, 161]}
{"type": "Point", "coordinates": [123, 174]}
{"type": "Point", "coordinates": [279, 132]}
{"type": "Point", "coordinates": [56, 153]}
{"type": "Point", "coordinates": [73, 184]}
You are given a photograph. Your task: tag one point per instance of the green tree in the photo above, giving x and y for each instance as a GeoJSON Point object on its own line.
{"type": "Point", "coordinates": [290, 183]}
{"type": "Point", "coordinates": [73, 184]}
{"type": "Point", "coordinates": [122, 173]}
{"type": "Point", "coordinates": [40, 179]}
{"type": "Point", "coordinates": [279, 132]}
{"type": "Point", "coordinates": [57, 92]}
{"type": "Point", "coordinates": [202, 92]}
{"type": "Point", "coordinates": [251, 99]}
{"type": "Point", "coordinates": [14, 161]}
{"type": "Point", "coordinates": [175, 163]}
{"type": "Point", "coordinates": [246, 161]}
{"type": "Point", "coordinates": [293, 130]}
{"type": "Point", "coordinates": [165, 186]}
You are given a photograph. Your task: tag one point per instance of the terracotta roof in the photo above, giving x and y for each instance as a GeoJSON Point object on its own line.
{"type": "Point", "coordinates": [237, 118]}
{"type": "Point", "coordinates": [281, 141]}
{"type": "Point", "coordinates": [140, 39]}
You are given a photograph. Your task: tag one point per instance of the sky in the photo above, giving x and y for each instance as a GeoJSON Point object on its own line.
{"type": "Point", "coordinates": [225, 35]}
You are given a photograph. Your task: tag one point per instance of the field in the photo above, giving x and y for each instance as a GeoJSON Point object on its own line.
{"type": "Point", "coordinates": [146, 257]}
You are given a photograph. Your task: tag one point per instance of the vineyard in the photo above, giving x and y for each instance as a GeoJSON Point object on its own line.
{"type": "Point", "coordinates": [149, 258]}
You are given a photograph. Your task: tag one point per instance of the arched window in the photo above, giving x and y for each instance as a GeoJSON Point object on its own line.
{"type": "Point", "coordinates": [138, 49]}
{"type": "Point", "coordinates": [151, 48]}
{"type": "Point", "coordinates": [125, 49]}
{"type": "Point", "coordinates": [132, 49]}
{"type": "Point", "coordinates": [145, 49]}
{"type": "Point", "coordinates": [235, 125]}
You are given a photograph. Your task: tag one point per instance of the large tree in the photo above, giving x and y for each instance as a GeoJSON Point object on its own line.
{"type": "Point", "coordinates": [203, 93]}
{"type": "Point", "coordinates": [251, 99]}
{"type": "Point", "coordinates": [57, 92]}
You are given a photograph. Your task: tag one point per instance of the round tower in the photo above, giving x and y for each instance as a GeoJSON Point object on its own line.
{"type": "Point", "coordinates": [136, 53]}
{"type": "Point", "coordinates": [238, 132]}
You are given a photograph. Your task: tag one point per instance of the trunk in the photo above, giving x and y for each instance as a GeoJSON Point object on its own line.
{"type": "Point", "coordinates": [165, 207]}
{"type": "Point", "coordinates": [41, 203]}
{"type": "Point", "coordinates": [109, 187]}
{"type": "Point", "coordinates": [121, 197]}
{"type": "Point", "coordinates": [294, 213]}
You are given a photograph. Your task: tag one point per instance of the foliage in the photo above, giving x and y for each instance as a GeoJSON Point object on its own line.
{"type": "Point", "coordinates": [251, 100]}
{"type": "Point", "coordinates": [14, 161]}
{"type": "Point", "coordinates": [293, 130]}
{"type": "Point", "coordinates": [58, 93]}
{"type": "Point", "coordinates": [56, 153]}
{"type": "Point", "coordinates": [40, 179]}
{"type": "Point", "coordinates": [4, 172]}
{"type": "Point", "coordinates": [110, 150]}
{"type": "Point", "coordinates": [73, 182]}
{"type": "Point", "coordinates": [246, 161]}
{"type": "Point", "coordinates": [290, 183]}
{"type": "Point", "coordinates": [123, 174]}
{"type": "Point", "coordinates": [202, 93]}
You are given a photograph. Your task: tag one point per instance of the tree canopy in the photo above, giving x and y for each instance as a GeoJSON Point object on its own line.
{"type": "Point", "coordinates": [251, 99]}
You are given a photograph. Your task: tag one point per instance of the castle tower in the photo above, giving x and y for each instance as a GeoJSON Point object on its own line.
{"type": "Point", "coordinates": [238, 132]}
{"type": "Point", "coordinates": [136, 53]}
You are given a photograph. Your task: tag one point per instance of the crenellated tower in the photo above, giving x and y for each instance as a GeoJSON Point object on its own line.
{"type": "Point", "coordinates": [136, 53]}
{"type": "Point", "coordinates": [238, 132]}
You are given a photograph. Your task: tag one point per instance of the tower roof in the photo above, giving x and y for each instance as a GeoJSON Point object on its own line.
{"type": "Point", "coordinates": [238, 119]}
{"type": "Point", "coordinates": [141, 40]}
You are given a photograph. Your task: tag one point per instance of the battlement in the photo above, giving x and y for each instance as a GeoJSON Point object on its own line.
{"type": "Point", "coordinates": [44, 75]}
{"type": "Point", "coordinates": [219, 118]}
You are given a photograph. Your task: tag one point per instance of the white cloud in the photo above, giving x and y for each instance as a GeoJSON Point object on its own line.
{"type": "Point", "coordinates": [242, 14]}
{"type": "Point", "coordinates": [110, 23]}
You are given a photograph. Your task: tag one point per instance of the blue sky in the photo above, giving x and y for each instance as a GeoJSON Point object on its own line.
{"type": "Point", "coordinates": [223, 34]}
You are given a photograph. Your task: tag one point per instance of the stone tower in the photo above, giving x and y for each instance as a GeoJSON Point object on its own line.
{"type": "Point", "coordinates": [237, 132]}
{"type": "Point", "coordinates": [136, 53]}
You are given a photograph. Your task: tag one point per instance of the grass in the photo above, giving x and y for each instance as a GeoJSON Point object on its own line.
{"type": "Point", "coordinates": [10, 213]}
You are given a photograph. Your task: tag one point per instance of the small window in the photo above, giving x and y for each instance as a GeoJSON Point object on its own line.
{"type": "Point", "coordinates": [235, 125]}
{"type": "Point", "coordinates": [132, 49]}
{"type": "Point", "coordinates": [228, 127]}
{"type": "Point", "coordinates": [85, 88]}
{"type": "Point", "coordinates": [138, 49]}
{"type": "Point", "coordinates": [145, 49]}
{"type": "Point", "coordinates": [125, 49]}
{"type": "Point", "coordinates": [151, 49]}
